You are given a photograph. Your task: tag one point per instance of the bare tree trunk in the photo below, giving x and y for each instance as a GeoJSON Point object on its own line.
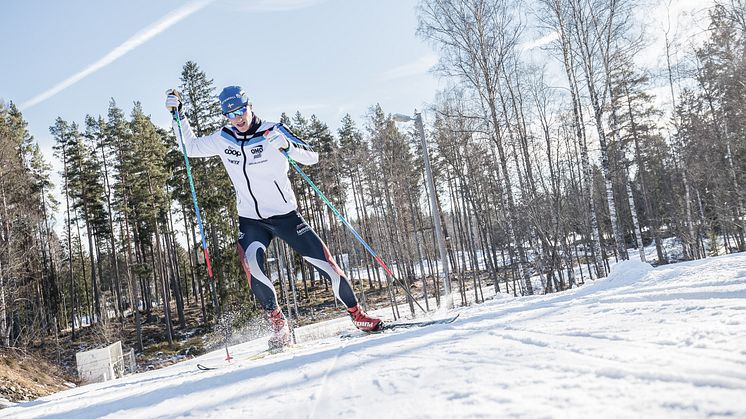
{"type": "Point", "coordinates": [91, 256]}
{"type": "Point", "coordinates": [176, 271]}
{"type": "Point", "coordinates": [597, 105]}
{"type": "Point", "coordinates": [433, 271]}
{"type": "Point", "coordinates": [580, 133]}
{"type": "Point", "coordinates": [737, 193]}
{"type": "Point", "coordinates": [133, 283]}
{"type": "Point", "coordinates": [628, 188]}
{"type": "Point", "coordinates": [476, 281]}
{"type": "Point", "coordinates": [158, 262]}
{"type": "Point", "coordinates": [497, 138]}
{"type": "Point", "coordinates": [114, 259]}
{"type": "Point", "coordinates": [688, 248]}
{"type": "Point", "coordinates": [691, 247]}
{"type": "Point", "coordinates": [4, 329]}
{"type": "Point", "coordinates": [69, 243]}
{"type": "Point", "coordinates": [635, 222]}
{"type": "Point", "coordinates": [420, 256]}
{"type": "Point", "coordinates": [458, 244]}
{"type": "Point", "coordinates": [652, 214]}
{"type": "Point", "coordinates": [195, 246]}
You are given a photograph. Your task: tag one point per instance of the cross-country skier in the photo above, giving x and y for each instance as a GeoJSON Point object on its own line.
{"type": "Point", "coordinates": [251, 151]}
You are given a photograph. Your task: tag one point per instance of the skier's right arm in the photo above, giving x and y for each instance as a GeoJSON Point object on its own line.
{"type": "Point", "coordinates": [195, 146]}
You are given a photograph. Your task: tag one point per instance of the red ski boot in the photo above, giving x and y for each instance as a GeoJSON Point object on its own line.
{"type": "Point", "coordinates": [364, 322]}
{"type": "Point", "coordinates": [280, 331]}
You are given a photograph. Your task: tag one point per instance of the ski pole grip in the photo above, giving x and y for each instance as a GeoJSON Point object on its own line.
{"type": "Point", "coordinates": [175, 109]}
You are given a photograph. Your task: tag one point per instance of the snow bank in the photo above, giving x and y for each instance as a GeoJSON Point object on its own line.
{"type": "Point", "coordinates": [628, 272]}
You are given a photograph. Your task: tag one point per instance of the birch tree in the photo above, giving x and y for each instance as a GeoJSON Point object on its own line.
{"type": "Point", "coordinates": [475, 38]}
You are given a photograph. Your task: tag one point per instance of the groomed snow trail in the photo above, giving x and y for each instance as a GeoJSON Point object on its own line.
{"type": "Point", "coordinates": [664, 342]}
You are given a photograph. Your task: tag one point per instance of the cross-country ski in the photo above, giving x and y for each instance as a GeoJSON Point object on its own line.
{"type": "Point", "coordinates": [406, 324]}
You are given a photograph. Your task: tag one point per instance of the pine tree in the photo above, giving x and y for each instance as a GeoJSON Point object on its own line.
{"type": "Point", "coordinates": [722, 61]}
{"type": "Point", "coordinates": [86, 191]}
{"type": "Point", "coordinates": [24, 312]}
{"type": "Point", "coordinates": [149, 204]}
{"type": "Point", "coordinates": [119, 136]}
{"type": "Point", "coordinates": [96, 134]}
{"type": "Point", "coordinates": [47, 205]}
{"type": "Point", "coordinates": [62, 133]}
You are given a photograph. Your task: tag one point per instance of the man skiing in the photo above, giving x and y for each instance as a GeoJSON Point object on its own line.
{"type": "Point", "coordinates": [252, 153]}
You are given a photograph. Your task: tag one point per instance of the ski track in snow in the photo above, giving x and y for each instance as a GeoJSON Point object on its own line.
{"type": "Point", "coordinates": [664, 342]}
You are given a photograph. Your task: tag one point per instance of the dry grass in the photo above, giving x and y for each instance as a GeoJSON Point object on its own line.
{"type": "Point", "coordinates": [26, 376]}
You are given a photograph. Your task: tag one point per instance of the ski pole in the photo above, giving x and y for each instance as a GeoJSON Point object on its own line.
{"type": "Point", "coordinates": [205, 251]}
{"type": "Point", "coordinates": [351, 228]}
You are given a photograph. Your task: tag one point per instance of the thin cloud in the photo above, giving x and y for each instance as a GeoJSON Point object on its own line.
{"type": "Point", "coordinates": [421, 66]}
{"type": "Point", "coordinates": [536, 43]}
{"type": "Point", "coordinates": [135, 41]}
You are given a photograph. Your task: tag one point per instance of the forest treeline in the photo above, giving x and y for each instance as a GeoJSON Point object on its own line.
{"type": "Point", "coordinates": [540, 184]}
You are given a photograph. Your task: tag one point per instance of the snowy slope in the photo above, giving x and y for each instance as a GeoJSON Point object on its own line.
{"type": "Point", "coordinates": [668, 342]}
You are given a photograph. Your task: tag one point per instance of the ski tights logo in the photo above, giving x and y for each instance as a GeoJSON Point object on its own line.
{"type": "Point", "coordinates": [302, 228]}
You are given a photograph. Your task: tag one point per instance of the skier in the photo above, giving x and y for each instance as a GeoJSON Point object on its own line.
{"type": "Point", "coordinates": [252, 153]}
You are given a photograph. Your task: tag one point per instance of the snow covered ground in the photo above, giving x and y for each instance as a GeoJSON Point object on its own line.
{"type": "Point", "coordinates": [664, 342]}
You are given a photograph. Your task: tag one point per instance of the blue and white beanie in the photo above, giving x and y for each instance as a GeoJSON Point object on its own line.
{"type": "Point", "coordinates": [232, 98]}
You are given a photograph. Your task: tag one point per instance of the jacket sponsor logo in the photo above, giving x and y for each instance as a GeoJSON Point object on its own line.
{"type": "Point", "coordinates": [257, 151]}
{"type": "Point", "coordinates": [302, 228]}
{"type": "Point", "coordinates": [232, 151]}
{"type": "Point", "coordinates": [234, 161]}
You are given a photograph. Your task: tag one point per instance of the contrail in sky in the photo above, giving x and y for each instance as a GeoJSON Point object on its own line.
{"type": "Point", "coordinates": [135, 41]}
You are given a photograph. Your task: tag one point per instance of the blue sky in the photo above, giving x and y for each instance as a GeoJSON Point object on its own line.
{"type": "Point", "coordinates": [323, 57]}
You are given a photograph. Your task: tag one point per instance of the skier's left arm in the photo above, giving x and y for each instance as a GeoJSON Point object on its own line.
{"type": "Point", "coordinates": [284, 140]}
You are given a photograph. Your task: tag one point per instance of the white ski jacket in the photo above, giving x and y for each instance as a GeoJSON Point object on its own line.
{"type": "Point", "coordinates": [259, 171]}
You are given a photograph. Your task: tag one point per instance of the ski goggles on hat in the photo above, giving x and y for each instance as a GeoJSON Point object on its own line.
{"type": "Point", "coordinates": [236, 113]}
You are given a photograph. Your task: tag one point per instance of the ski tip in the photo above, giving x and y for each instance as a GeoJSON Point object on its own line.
{"type": "Point", "coordinates": [446, 320]}
{"type": "Point", "coordinates": [204, 368]}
